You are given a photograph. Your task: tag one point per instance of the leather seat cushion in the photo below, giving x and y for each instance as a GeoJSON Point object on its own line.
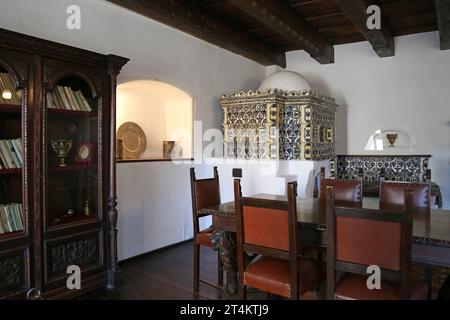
{"type": "Point", "coordinates": [272, 275]}
{"type": "Point", "coordinates": [203, 237]}
{"type": "Point", "coordinates": [353, 287]}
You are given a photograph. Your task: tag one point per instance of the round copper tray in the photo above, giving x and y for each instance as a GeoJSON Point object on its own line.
{"type": "Point", "coordinates": [134, 140]}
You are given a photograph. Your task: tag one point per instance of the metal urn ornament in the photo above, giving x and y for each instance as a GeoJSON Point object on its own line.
{"type": "Point", "coordinates": [62, 148]}
{"type": "Point", "coordinates": [391, 138]}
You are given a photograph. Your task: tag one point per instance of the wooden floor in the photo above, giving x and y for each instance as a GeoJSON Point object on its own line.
{"type": "Point", "coordinates": [164, 275]}
{"type": "Point", "coordinates": [167, 275]}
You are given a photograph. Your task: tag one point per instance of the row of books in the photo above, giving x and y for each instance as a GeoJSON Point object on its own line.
{"type": "Point", "coordinates": [10, 218]}
{"type": "Point", "coordinates": [65, 98]}
{"type": "Point", "coordinates": [11, 154]}
{"type": "Point", "coordinates": [6, 83]}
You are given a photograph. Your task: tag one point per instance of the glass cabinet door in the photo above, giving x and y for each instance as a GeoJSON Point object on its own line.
{"type": "Point", "coordinates": [12, 163]}
{"type": "Point", "coordinates": [72, 154]}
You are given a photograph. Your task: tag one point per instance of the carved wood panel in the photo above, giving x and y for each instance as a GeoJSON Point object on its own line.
{"type": "Point", "coordinates": [14, 273]}
{"type": "Point", "coordinates": [84, 250]}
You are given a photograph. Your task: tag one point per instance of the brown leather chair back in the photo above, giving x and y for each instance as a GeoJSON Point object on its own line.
{"type": "Point", "coordinates": [205, 193]}
{"type": "Point", "coordinates": [267, 228]}
{"type": "Point", "coordinates": [358, 238]}
{"type": "Point", "coordinates": [393, 193]}
{"type": "Point", "coordinates": [267, 224]}
{"type": "Point", "coordinates": [344, 190]}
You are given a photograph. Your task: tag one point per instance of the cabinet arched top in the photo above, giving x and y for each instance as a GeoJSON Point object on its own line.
{"type": "Point", "coordinates": [59, 77]}
{"type": "Point", "coordinates": [19, 82]}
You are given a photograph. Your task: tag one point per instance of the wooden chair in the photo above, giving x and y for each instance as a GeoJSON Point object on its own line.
{"type": "Point", "coordinates": [346, 191]}
{"type": "Point", "coordinates": [268, 228]}
{"type": "Point", "coordinates": [392, 194]}
{"type": "Point", "coordinates": [358, 238]}
{"type": "Point", "coordinates": [205, 193]}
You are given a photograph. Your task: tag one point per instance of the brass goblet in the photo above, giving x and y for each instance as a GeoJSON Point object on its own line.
{"type": "Point", "coordinates": [391, 138]}
{"type": "Point", "coordinates": [62, 148]}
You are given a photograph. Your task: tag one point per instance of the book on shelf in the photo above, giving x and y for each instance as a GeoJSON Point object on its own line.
{"type": "Point", "coordinates": [6, 83]}
{"type": "Point", "coordinates": [65, 98]}
{"type": "Point", "coordinates": [11, 154]}
{"type": "Point", "coordinates": [10, 218]}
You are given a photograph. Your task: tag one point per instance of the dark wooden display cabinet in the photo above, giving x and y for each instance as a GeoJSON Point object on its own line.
{"type": "Point", "coordinates": [63, 99]}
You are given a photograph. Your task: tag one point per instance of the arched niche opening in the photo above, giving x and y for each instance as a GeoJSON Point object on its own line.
{"type": "Point", "coordinates": [164, 112]}
{"type": "Point", "coordinates": [392, 140]}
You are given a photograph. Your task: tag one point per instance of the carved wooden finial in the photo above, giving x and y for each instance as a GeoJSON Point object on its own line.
{"type": "Point", "coordinates": [293, 186]}
{"type": "Point", "coordinates": [192, 171]}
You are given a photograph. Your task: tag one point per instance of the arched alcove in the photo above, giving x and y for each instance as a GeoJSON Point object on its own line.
{"type": "Point", "coordinates": [390, 140]}
{"type": "Point", "coordinates": [164, 112]}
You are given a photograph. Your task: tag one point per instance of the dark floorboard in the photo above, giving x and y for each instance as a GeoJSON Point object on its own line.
{"type": "Point", "coordinates": [165, 275]}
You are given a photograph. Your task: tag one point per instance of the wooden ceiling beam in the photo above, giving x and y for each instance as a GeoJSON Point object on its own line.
{"type": "Point", "coordinates": [284, 21]}
{"type": "Point", "coordinates": [303, 3]}
{"type": "Point", "coordinates": [382, 40]}
{"type": "Point", "coordinates": [187, 17]}
{"type": "Point", "coordinates": [443, 15]}
{"type": "Point", "coordinates": [325, 16]}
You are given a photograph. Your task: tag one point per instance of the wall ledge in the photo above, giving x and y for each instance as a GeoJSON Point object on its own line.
{"type": "Point", "coordinates": [152, 160]}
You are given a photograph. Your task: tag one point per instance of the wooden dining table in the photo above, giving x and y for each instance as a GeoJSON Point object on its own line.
{"type": "Point", "coordinates": [430, 242]}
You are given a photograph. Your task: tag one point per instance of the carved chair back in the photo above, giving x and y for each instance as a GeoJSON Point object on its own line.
{"type": "Point", "coordinates": [268, 228]}
{"type": "Point", "coordinates": [392, 194]}
{"type": "Point", "coordinates": [205, 193]}
{"type": "Point", "coordinates": [344, 190]}
{"type": "Point", "coordinates": [358, 238]}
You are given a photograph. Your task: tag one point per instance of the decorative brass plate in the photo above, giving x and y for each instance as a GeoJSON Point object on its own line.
{"type": "Point", "coordinates": [134, 140]}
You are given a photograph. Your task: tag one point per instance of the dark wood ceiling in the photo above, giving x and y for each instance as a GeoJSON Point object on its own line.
{"type": "Point", "coordinates": [263, 30]}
